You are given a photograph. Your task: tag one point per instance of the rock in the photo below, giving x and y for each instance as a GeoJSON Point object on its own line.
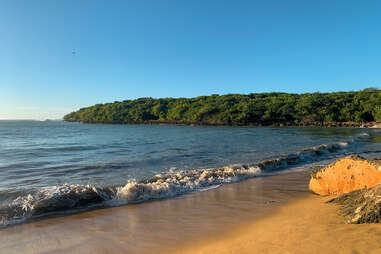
{"type": "Point", "coordinates": [376, 125]}
{"type": "Point", "coordinates": [361, 206]}
{"type": "Point", "coordinates": [346, 175]}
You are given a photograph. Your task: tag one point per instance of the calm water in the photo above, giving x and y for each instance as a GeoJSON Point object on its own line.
{"type": "Point", "coordinates": [42, 161]}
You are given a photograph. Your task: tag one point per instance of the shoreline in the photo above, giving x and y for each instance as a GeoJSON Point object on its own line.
{"type": "Point", "coordinates": [85, 197]}
{"type": "Point", "coordinates": [160, 226]}
{"type": "Point", "coordinates": [365, 125]}
{"type": "Point", "coordinates": [272, 214]}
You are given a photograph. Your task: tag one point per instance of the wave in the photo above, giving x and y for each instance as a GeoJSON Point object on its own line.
{"type": "Point", "coordinates": [69, 197]}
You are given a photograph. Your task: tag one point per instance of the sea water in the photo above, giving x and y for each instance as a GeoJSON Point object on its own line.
{"type": "Point", "coordinates": [54, 166]}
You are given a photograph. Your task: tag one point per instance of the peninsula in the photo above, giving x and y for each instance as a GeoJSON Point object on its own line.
{"type": "Point", "coordinates": [349, 109]}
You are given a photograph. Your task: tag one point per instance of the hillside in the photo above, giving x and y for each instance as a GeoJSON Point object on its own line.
{"type": "Point", "coordinates": [237, 109]}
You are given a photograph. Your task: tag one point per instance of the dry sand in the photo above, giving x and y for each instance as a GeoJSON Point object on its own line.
{"type": "Point", "coordinates": [308, 225]}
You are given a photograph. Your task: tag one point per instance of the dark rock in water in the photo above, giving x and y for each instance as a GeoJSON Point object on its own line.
{"type": "Point", "coordinates": [70, 198]}
{"type": "Point", "coordinates": [361, 206]}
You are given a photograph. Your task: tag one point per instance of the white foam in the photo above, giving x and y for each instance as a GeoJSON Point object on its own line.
{"type": "Point", "coordinates": [164, 185]}
{"type": "Point", "coordinates": [172, 184]}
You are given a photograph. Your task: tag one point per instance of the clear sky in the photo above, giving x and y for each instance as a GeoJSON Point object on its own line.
{"type": "Point", "coordinates": [180, 48]}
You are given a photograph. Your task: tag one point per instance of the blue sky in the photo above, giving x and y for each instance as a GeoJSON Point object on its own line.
{"type": "Point", "coordinates": [180, 48]}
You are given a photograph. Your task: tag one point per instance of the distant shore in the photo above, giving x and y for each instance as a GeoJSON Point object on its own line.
{"type": "Point", "coordinates": [278, 124]}
{"type": "Point", "coordinates": [346, 109]}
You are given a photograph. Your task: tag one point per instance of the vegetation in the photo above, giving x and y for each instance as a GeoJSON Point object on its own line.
{"type": "Point", "coordinates": [236, 109]}
{"type": "Point", "coordinates": [361, 206]}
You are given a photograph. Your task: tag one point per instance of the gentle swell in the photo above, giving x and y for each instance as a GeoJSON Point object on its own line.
{"type": "Point", "coordinates": [69, 197]}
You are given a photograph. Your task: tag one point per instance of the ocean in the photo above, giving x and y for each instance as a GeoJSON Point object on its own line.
{"type": "Point", "coordinates": [58, 168]}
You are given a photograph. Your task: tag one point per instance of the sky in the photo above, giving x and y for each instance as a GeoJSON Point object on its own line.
{"type": "Point", "coordinates": [180, 48]}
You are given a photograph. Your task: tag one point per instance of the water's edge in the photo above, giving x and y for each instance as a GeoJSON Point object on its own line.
{"type": "Point", "coordinates": [68, 197]}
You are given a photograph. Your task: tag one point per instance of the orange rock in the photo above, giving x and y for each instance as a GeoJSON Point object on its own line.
{"type": "Point", "coordinates": [346, 175]}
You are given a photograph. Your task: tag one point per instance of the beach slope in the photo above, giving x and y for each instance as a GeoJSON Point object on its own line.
{"type": "Point", "coordinates": [307, 225]}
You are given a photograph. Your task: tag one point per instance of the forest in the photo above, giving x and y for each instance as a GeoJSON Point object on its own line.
{"type": "Point", "coordinates": [238, 109]}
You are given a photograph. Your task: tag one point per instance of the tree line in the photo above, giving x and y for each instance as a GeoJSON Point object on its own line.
{"type": "Point", "coordinates": [238, 109]}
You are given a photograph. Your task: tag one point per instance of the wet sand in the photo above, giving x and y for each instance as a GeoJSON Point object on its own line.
{"type": "Point", "coordinates": [273, 214]}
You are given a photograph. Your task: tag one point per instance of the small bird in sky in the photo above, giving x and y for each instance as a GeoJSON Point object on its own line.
{"type": "Point", "coordinates": [73, 52]}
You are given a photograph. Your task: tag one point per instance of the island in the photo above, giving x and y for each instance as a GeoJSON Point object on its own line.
{"type": "Point", "coordinates": [348, 109]}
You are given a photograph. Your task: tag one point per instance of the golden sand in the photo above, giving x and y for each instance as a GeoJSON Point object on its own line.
{"type": "Point", "coordinates": [308, 225]}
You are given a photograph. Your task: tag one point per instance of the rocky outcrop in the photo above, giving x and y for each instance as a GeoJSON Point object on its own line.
{"type": "Point", "coordinates": [346, 175]}
{"type": "Point", "coordinates": [361, 206]}
{"type": "Point", "coordinates": [374, 125]}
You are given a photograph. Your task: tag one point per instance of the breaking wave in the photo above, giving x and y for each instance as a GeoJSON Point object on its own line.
{"type": "Point", "coordinates": [69, 197]}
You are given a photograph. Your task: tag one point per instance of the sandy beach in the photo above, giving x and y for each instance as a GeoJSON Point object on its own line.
{"type": "Point", "coordinates": [307, 225]}
{"type": "Point", "coordinates": [274, 214]}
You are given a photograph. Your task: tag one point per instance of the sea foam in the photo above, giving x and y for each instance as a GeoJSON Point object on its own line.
{"type": "Point", "coordinates": [70, 197]}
